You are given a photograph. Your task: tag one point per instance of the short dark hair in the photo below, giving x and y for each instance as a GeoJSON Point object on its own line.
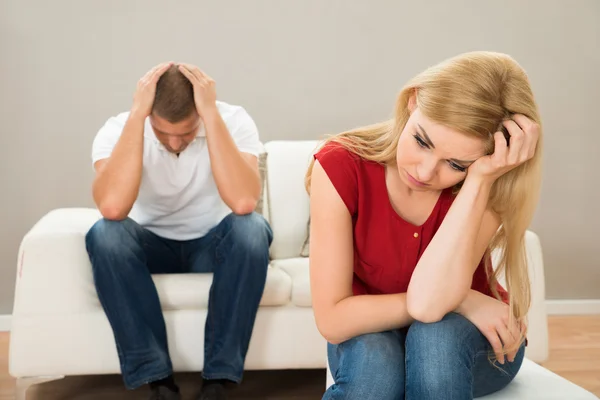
{"type": "Point", "coordinates": [174, 99]}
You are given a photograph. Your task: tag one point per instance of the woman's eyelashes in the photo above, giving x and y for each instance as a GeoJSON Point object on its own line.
{"type": "Point", "coordinates": [424, 145]}
{"type": "Point", "coordinates": [456, 167]}
{"type": "Point", "coordinates": [420, 141]}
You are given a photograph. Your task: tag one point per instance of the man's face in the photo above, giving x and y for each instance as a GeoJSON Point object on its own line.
{"type": "Point", "coordinates": [175, 136]}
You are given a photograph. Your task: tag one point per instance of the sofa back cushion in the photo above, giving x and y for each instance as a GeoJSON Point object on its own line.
{"type": "Point", "coordinates": [285, 198]}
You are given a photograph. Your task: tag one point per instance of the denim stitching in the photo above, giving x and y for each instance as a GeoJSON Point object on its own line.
{"type": "Point", "coordinates": [218, 259]}
{"type": "Point", "coordinates": [136, 384]}
{"type": "Point", "coordinates": [222, 376]}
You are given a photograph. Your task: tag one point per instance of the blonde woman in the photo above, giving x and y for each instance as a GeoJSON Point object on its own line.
{"type": "Point", "coordinates": [404, 215]}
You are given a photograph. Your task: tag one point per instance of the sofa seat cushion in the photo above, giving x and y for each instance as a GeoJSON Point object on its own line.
{"type": "Point", "coordinates": [190, 291]}
{"type": "Point", "coordinates": [297, 268]}
{"type": "Point", "coordinates": [533, 382]}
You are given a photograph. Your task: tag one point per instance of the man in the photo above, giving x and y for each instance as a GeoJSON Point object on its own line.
{"type": "Point", "coordinates": [177, 181]}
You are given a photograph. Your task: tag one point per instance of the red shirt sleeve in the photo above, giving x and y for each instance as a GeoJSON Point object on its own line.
{"type": "Point", "coordinates": [480, 280]}
{"type": "Point", "coordinates": [341, 166]}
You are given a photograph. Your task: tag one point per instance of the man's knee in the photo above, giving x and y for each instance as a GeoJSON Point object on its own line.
{"type": "Point", "coordinates": [109, 236]}
{"type": "Point", "coordinates": [250, 232]}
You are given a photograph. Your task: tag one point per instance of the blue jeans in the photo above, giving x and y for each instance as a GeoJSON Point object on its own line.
{"type": "Point", "coordinates": [124, 255]}
{"type": "Point", "coordinates": [442, 360]}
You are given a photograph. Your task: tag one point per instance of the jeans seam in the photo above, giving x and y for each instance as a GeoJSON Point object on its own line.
{"type": "Point", "coordinates": [222, 376]}
{"type": "Point", "coordinates": [139, 382]}
{"type": "Point", "coordinates": [117, 345]}
{"type": "Point", "coordinates": [481, 352]}
{"type": "Point", "coordinates": [210, 343]}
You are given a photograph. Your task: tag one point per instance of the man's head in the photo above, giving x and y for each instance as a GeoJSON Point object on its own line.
{"type": "Point", "coordinates": [174, 118]}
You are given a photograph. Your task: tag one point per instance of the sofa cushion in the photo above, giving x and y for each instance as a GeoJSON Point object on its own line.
{"type": "Point", "coordinates": [305, 252]}
{"type": "Point", "coordinates": [535, 382]}
{"type": "Point", "coordinates": [262, 170]}
{"type": "Point", "coordinates": [297, 268]}
{"type": "Point", "coordinates": [287, 163]}
{"type": "Point", "coordinates": [190, 291]}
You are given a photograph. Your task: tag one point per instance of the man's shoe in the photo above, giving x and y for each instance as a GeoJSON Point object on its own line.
{"type": "Point", "coordinates": [213, 391]}
{"type": "Point", "coordinates": [163, 393]}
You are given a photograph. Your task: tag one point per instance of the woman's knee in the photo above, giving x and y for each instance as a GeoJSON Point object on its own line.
{"type": "Point", "coordinates": [368, 366]}
{"type": "Point", "coordinates": [450, 335]}
{"type": "Point", "coordinates": [437, 353]}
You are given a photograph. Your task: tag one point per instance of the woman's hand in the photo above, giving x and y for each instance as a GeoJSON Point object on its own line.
{"type": "Point", "coordinates": [524, 135]}
{"type": "Point", "coordinates": [491, 317]}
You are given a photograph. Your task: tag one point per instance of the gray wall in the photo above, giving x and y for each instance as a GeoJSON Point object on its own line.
{"type": "Point", "coordinates": [302, 69]}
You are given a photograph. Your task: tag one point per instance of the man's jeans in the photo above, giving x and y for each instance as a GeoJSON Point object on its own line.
{"type": "Point", "coordinates": [442, 360]}
{"type": "Point", "coordinates": [124, 254]}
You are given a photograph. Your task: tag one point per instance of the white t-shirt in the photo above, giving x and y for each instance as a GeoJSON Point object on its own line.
{"type": "Point", "coordinates": [178, 197]}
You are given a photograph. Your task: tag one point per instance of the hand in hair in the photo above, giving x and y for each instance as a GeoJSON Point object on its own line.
{"type": "Point", "coordinates": [205, 95]}
{"type": "Point", "coordinates": [524, 135]}
{"type": "Point", "coordinates": [492, 318]}
{"type": "Point", "coordinates": [143, 99]}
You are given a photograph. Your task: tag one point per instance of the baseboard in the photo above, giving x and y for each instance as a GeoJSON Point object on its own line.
{"type": "Point", "coordinates": [573, 307]}
{"type": "Point", "coordinates": [5, 322]}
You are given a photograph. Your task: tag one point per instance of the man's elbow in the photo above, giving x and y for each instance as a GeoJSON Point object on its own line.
{"type": "Point", "coordinates": [113, 212]}
{"type": "Point", "coordinates": [244, 206]}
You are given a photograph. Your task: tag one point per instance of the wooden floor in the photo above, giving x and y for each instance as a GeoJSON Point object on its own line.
{"type": "Point", "coordinates": [574, 354]}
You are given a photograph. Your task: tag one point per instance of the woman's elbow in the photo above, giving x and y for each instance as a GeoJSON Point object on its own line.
{"type": "Point", "coordinates": [330, 335]}
{"type": "Point", "coordinates": [328, 330]}
{"type": "Point", "coordinates": [424, 311]}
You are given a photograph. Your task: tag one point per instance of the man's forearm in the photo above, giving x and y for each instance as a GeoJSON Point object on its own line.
{"type": "Point", "coordinates": [238, 183]}
{"type": "Point", "coordinates": [117, 184]}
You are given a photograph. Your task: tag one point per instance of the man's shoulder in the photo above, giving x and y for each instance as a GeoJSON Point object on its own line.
{"type": "Point", "coordinates": [115, 123]}
{"type": "Point", "coordinates": [232, 112]}
{"type": "Point", "coordinates": [120, 118]}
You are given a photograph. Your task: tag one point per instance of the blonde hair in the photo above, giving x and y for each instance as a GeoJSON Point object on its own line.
{"type": "Point", "coordinates": [471, 93]}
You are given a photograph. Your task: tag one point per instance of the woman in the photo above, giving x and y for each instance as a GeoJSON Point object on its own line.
{"type": "Point", "coordinates": [404, 215]}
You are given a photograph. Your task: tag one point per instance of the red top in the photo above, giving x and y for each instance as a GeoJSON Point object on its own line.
{"type": "Point", "coordinates": [386, 247]}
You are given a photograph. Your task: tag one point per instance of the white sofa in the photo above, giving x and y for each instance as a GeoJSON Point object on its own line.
{"type": "Point", "coordinates": [59, 328]}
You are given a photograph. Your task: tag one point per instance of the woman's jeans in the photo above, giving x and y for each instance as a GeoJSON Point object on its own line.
{"type": "Point", "coordinates": [124, 255]}
{"type": "Point", "coordinates": [449, 359]}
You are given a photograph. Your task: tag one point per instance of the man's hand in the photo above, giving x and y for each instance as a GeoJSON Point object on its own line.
{"type": "Point", "coordinates": [205, 94]}
{"type": "Point", "coordinates": [143, 99]}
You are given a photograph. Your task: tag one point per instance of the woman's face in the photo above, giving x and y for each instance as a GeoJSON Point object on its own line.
{"type": "Point", "coordinates": [434, 157]}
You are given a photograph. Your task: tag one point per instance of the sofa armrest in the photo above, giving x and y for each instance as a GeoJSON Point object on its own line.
{"type": "Point", "coordinates": [54, 274]}
{"type": "Point", "coordinates": [537, 348]}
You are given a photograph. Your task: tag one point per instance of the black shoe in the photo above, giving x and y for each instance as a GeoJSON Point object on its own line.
{"type": "Point", "coordinates": [213, 391]}
{"type": "Point", "coordinates": [163, 393]}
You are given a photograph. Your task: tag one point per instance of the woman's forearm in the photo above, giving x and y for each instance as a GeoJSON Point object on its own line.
{"type": "Point", "coordinates": [443, 275]}
{"type": "Point", "coordinates": [358, 315]}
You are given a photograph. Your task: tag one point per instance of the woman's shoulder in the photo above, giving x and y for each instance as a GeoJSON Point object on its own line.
{"type": "Point", "coordinates": [336, 150]}
{"type": "Point", "coordinates": [341, 156]}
